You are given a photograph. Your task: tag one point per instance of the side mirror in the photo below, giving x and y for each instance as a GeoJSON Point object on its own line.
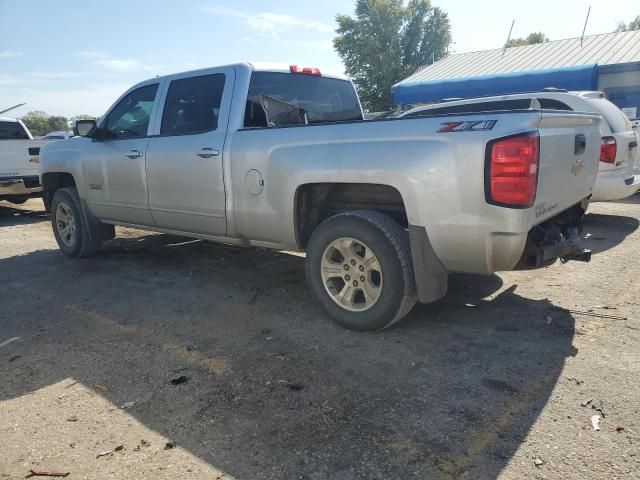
{"type": "Point", "coordinates": [83, 128]}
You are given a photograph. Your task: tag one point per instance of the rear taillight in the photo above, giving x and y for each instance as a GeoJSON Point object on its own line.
{"type": "Point", "coordinates": [608, 150]}
{"type": "Point", "coordinates": [512, 171]}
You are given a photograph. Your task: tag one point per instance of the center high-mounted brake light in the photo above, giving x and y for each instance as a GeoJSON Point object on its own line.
{"type": "Point", "coordinates": [511, 177]}
{"type": "Point", "coordinates": [306, 70]}
{"type": "Point", "coordinates": [608, 150]}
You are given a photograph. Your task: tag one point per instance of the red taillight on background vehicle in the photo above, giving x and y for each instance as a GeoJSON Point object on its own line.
{"type": "Point", "coordinates": [512, 171]}
{"type": "Point", "coordinates": [608, 150]}
{"type": "Point", "coordinates": [306, 70]}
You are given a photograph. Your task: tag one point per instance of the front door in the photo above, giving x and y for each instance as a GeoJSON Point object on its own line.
{"type": "Point", "coordinates": [185, 160]}
{"type": "Point", "coordinates": [114, 165]}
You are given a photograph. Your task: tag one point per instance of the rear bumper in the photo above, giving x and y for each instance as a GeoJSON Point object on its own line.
{"type": "Point", "coordinates": [20, 186]}
{"type": "Point", "coordinates": [614, 185]}
{"type": "Point", "coordinates": [557, 238]}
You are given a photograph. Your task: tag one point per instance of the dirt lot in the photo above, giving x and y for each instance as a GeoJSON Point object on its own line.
{"type": "Point", "coordinates": [487, 383]}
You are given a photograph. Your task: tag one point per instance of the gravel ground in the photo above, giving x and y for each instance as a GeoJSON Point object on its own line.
{"type": "Point", "coordinates": [497, 380]}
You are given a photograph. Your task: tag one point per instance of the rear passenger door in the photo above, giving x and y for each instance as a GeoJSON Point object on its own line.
{"type": "Point", "coordinates": [185, 158]}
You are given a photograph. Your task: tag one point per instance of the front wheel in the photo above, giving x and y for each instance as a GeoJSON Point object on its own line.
{"type": "Point", "coordinates": [70, 227]}
{"type": "Point", "coordinates": [359, 268]}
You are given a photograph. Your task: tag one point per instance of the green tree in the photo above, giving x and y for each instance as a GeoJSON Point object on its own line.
{"type": "Point", "coordinates": [41, 123]}
{"type": "Point", "coordinates": [632, 25]}
{"type": "Point", "coordinates": [388, 41]}
{"type": "Point", "coordinates": [531, 39]}
{"type": "Point", "coordinates": [58, 124]}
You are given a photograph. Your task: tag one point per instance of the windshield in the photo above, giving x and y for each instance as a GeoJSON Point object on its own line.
{"type": "Point", "coordinates": [319, 99]}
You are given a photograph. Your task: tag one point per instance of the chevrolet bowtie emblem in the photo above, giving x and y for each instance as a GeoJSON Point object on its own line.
{"type": "Point", "coordinates": [577, 167]}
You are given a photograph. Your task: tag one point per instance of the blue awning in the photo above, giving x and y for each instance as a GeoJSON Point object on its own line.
{"type": "Point", "coordinates": [571, 78]}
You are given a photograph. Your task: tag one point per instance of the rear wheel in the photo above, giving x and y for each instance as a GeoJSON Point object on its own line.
{"type": "Point", "coordinates": [359, 268]}
{"type": "Point", "coordinates": [75, 235]}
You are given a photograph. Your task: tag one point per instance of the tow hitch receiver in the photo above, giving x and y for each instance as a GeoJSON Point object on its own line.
{"type": "Point", "coordinates": [547, 244]}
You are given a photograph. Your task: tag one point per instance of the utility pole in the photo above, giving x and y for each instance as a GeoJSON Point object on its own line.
{"type": "Point", "coordinates": [585, 25]}
{"type": "Point", "coordinates": [509, 37]}
{"type": "Point", "coordinates": [12, 108]}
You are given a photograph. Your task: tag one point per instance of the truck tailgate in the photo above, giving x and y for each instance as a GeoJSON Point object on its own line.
{"type": "Point", "coordinates": [569, 156]}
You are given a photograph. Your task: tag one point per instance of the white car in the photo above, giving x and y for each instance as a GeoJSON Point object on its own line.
{"type": "Point", "coordinates": [616, 178]}
{"type": "Point", "coordinates": [57, 136]}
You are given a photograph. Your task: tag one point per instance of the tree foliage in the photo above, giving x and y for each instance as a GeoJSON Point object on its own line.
{"type": "Point", "coordinates": [387, 41]}
{"type": "Point", "coordinates": [532, 39]}
{"type": "Point", "coordinates": [627, 27]}
{"type": "Point", "coordinates": [41, 123]}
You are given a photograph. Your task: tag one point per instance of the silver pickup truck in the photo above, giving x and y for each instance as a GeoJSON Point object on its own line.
{"type": "Point", "coordinates": [282, 158]}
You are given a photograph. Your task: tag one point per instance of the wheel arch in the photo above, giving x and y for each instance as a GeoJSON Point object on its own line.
{"type": "Point", "coordinates": [316, 202]}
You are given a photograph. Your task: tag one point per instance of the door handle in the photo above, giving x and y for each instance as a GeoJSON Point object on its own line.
{"type": "Point", "coordinates": [580, 144]}
{"type": "Point", "coordinates": [208, 152]}
{"type": "Point", "coordinates": [134, 154]}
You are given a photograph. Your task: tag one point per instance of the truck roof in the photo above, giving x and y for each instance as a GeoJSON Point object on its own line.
{"type": "Point", "coordinates": [255, 66]}
{"type": "Point", "coordinates": [7, 119]}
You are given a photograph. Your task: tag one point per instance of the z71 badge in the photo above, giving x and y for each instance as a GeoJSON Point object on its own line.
{"type": "Point", "coordinates": [472, 126]}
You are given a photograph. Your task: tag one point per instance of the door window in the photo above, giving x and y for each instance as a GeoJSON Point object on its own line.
{"type": "Point", "coordinates": [193, 105]}
{"type": "Point", "coordinates": [12, 131]}
{"type": "Point", "coordinates": [130, 117]}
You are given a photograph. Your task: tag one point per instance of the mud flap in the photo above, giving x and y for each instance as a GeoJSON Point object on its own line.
{"type": "Point", "coordinates": [431, 277]}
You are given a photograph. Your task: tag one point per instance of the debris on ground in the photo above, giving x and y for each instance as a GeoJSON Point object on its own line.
{"type": "Point", "coordinates": [470, 305]}
{"type": "Point", "coordinates": [538, 462]}
{"type": "Point", "coordinates": [102, 388]}
{"type": "Point", "coordinates": [295, 387]}
{"type": "Point", "coordinates": [586, 402]}
{"type": "Point", "coordinates": [256, 292]}
{"type": "Point", "coordinates": [605, 307]}
{"type": "Point", "coordinates": [106, 453]}
{"type": "Point", "coordinates": [179, 379]}
{"type": "Point", "coordinates": [599, 408]}
{"type": "Point", "coordinates": [72, 418]}
{"type": "Point", "coordinates": [549, 320]}
{"type": "Point", "coordinates": [13, 359]}
{"type": "Point", "coordinates": [143, 444]}
{"type": "Point", "coordinates": [128, 404]}
{"type": "Point", "coordinates": [591, 314]}
{"type": "Point", "coordinates": [595, 422]}
{"type": "Point", "coordinates": [619, 428]}
{"type": "Point", "coordinates": [170, 445]}
{"type": "Point", "coordinates": [45, 473]}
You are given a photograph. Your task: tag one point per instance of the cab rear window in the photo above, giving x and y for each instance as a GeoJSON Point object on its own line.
{"type": "Point", "coordinates": [12, 131]}
{"type": "Point", "coordinates": [280, 99]}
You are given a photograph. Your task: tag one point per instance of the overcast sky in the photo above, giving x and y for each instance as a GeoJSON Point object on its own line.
{"type": "Point", "coordinates": [69, 57]}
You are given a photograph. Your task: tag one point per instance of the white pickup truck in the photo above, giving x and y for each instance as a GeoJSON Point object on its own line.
{"type": "Point", "coordinates": [281, 157]}
{"type": "Point", "coordinates": [19, 170]}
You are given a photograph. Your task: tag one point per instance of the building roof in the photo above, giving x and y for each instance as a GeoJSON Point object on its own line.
{"type": "Point", "coordinates": [605, 49]}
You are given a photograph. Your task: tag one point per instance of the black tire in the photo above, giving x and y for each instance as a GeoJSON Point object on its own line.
{"type": "Point", "coordinates": [46, 200]}
{"type": "Point", "coordinates": [389, 242]}
{"type": "Point", "coordinates": [87, 240]}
